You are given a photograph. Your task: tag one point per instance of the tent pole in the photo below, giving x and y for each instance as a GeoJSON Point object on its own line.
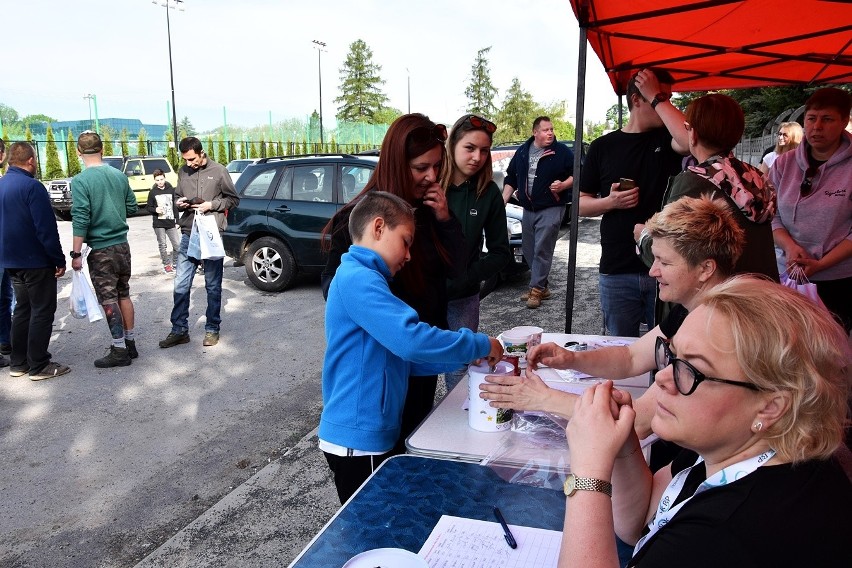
{"type": "Point", "coordinates": [575, 190]}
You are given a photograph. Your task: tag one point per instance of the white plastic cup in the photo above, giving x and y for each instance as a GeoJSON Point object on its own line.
{"type": "Point", "coordinates": [481, 415]}
{"type": "Point", "coordinates": [515, 342]}
{"type": "Point", "coordinates": [532, 331]}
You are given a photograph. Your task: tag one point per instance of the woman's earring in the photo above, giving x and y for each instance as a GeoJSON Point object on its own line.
{"type": "Point", "coordinates": [758, 426]}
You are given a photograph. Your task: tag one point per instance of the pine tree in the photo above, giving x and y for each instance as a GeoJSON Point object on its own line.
{"type": "Point", "coordinates": [243, 150]}
{"type": "Point", "coordinates": [516, 117]}
{"type": "Point", "coordinates": [361, 96]}
{"type": "Point", "coordinates": [252, 150]}
{"type": "Point", "coordinates": [28, 134]}
{"type": "Point", "coordinates": [262, 148]}
{"type": "Point", "coordinates": [210, 149]}
{"type": "Point", "coordinates": [71, 155]}
{"type": "Point", "coordinates": [222, 152]}
{"type": "Point", "coordinates": [106, 139]}
{"type": "Point", "coordinates": [171, 154]}
{"type": "Point", "coordinates": [142, 146]}
{"type": "Point", "coordinates": [53, 169]}
{"type": "Point", "coordinates": [280, 149]}
{"type": "Point", "coordinates": [186, 128]}
{"type": "Point", "coordinates": [271, 151]}
{"type": "Point", "coordinates": [125, 145]}
{"type": "Point", "coordinates": [481, 92]}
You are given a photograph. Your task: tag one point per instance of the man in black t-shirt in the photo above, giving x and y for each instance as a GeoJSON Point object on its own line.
{"type": "Point", "coordinates": [648, 150]}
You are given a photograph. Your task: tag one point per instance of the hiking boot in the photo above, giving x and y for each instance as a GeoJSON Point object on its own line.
{"type": "Point", "coordinates": [117, 357]}
{"type": "Point", "coordinates": [5, 349]}
{"type": "Point", "coordinates": [173, 339]}
{"type": "Point", "coordinates": [544, 295]}
{"type": "Point", "coordinates": [49, 371]}
{"type": "Point", "coordinates": [131, 348]}
{"type": "Point", "coordinates": [534, 299]}
{"type": "Point", "coordinates": [211, 338]}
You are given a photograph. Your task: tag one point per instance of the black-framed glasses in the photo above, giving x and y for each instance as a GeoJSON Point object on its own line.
{"type": "Point", "coordinates": [686, 377]}
{"type": "Point", "coordinates": [481, 123]}
{"type": "Point", "coordinates": [808, 182]}
{"type": "Point", "coordinates": [426, 134]}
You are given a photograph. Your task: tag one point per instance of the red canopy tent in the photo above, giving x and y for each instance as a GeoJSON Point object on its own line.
{"type": "Point", "coordinates": [708, 45]}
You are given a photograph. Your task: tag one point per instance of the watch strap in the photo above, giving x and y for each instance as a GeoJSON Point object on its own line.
{"type": "Point", "coordinates": [73, 254]}
{"type": "Point", "coordinates": [574, 483]}
{"type": "Point", "coordinates": [658, 98]}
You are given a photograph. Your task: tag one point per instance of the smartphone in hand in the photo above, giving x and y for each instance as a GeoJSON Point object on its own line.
{"type": "Point", "coordinates": [625, 183]}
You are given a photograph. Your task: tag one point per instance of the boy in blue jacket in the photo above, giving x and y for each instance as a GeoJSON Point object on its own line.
{"type": "Point", "coordinates": [375, 341]}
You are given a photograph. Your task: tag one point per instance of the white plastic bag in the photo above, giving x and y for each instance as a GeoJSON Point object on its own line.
{"type": "Point", "coordinates": [209, 239]}
{"type": "Point", "coordinates": [795, 279]}
{"type": "Point", "coordinates": [83, 300]}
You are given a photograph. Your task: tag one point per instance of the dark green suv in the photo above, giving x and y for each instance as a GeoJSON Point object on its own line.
{"type": "Point", "coordinates": [284, 204]}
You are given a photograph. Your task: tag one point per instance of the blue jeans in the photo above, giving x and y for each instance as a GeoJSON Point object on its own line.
{"type": "Point", "coordinates": [627, 300]}
{"type": "Point", "coordinates": [7, 306]}
{"type": "Point", "coordinates": [463, 312]}
{"type": "Point", "coordinates": [185, 271]}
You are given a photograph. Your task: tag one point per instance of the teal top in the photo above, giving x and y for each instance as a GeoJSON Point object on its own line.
{"type": "Point", "coordinates": [101, 201]}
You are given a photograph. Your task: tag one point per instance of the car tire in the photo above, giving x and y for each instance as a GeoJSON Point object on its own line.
{"type": "Point", "coordinates": [62, 215]}
{"type": "Point", "coordinates": [270, 265]}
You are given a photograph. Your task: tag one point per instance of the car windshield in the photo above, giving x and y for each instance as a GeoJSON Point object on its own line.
{"type": "Point", "coordinates": [156, 164]}
{"type": "Point", "coordinates": [237, 166]}
{"type": "Point", "coordinates": [115, 162]}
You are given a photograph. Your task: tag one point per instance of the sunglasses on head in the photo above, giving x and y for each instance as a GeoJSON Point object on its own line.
{"type": "Point", "coordinates": [807, 183]}
{"type": "Point", "coordinates": [481, 123]}
{"type": "Point", "coordinates": [426, 134]}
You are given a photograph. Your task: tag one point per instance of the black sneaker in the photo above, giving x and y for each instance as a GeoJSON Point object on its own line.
{"type": "Point", "coordinates": [5, 349]}
{"type": "Point", "coordinates": [117, 357]}
{"type": "Point", "coordinates": [131, 348]}
{"type": "Point", "coordinates": [173, 339]}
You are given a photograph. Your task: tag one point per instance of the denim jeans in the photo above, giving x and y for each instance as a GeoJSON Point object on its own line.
{"type": "Point", "coordinates": [7, 306]}
{"type": "Point", "coordinates": [174, 236]}
{"type": "Point", "coordinates": [35, 289]}
{"type": "Point", "coordinates": [627, 300]}
{"type": "Point", "coordinates": [185, 271]}
{"type": "Point", "coordinates": [463, 312]}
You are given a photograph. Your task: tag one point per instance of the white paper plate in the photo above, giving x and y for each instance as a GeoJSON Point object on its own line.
{"type": "Point", "coordinates": [386, 558]}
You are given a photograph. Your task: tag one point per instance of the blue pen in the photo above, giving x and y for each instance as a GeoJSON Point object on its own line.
{"type": "Point", "coordinates": [506, 532]}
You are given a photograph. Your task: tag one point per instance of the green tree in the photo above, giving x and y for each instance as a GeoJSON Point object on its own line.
{"type": "Point", "coordinates": [262, 147]}
{"type": "Point", "coordinates": [280, 149]}
{"type": "Point", "coordinates": [386, 115]}
{"type": "Point", "coordinates": [125, 144]}
{"type": "Point", "coordinates": [71, 155]}
{"type": "Point", "coordinates": [252, 151]}
{"type": "Point", "coordinates": [106, 138]}
{"type": "Point", "coordinates": [361, 96]}
{"type": "Point", "coordinates": [31, 118]}
{"type": "Point", "coordinates": [171, 154]}
{"type": "Point", "coordinates": [481, 91]}
{"type": "Point", "coordinates": [515, 118]}
{"type": "Point", "coordinates": [243, 150]}
{"type": "Point", "coordinates": [142, 146]}
{"type": "Point", "coordinates": [28, 135]}
{"type": "Point", "coordinates": [8, 115]}
{"type": "Point", "coordinates": [210, 149]}
{"type": "Point", "coordinates": [222, 152]}
{"type": "Point", "coordinates": [186, 128]}
{"type": "Point", "coordinates": [53, 169]}
{"type": "Point", "coordinates": [271, 150]}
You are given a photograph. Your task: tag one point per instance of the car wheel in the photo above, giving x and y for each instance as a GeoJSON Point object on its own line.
{"type": "Point", "coordinates": [269, 264]}
{"type": "Point", "coordinates": [62, 215]}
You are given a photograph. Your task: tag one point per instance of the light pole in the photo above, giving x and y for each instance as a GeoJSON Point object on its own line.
{"type": "Point", "coordinates": [168, 6]}
{"type": "Point", "coordinates": [408, 73]}
{"type": "Point", "coordinates": [90, 96]}
{"type": "Point", "coordinates": [320, 45]}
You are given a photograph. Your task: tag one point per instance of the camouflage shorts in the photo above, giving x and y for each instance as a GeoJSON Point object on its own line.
{"type": "Point", "coordinates": [110, 271]}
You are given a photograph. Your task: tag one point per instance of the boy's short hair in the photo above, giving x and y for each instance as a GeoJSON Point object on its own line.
{"type": "Point", "coordinates": [89, 143]}
{"type": "Point", "coordinates": [392, 209]}
{"type": "Point", "coordinates": [158, 172]}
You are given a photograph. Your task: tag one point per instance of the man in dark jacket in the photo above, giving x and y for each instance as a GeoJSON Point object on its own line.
{"type": "Point", "coordinates": [542, 172]}
{"type": "Point", "coordinates": [204, 186]}
{"type": "Point", "coordinates": [30, 252]}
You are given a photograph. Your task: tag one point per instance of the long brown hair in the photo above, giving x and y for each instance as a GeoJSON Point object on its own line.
{"type": "Point", "coordinates": [403, 142]}
{"type": "Point", "coordinates": [485, 175]}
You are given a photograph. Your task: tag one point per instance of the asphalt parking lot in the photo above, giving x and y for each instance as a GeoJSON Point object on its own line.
{"type": "Point", "coordinates": [195, 456]}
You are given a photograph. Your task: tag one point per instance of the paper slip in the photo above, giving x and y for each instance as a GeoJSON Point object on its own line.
{"type": "Point", "coordinates": [457, 542]}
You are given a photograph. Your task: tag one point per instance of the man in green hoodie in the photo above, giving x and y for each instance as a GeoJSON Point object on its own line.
{"type": "Point", "coordinates": [101, 201]}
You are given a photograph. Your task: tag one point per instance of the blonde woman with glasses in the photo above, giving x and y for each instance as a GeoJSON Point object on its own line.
{"type": "Point", "coordinates": [789, 137]}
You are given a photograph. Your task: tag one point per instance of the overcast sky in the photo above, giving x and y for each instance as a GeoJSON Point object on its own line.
{"type": "Point", "coordinates": [254, 57]}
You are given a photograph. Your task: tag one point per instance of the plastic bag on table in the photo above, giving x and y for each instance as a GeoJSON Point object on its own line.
{"type": "Point", "coordinates": [534, 452]}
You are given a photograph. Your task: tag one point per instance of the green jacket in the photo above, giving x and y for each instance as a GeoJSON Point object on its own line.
{"type": "Point", "coordinates": [101, 200]}
{"type": "Point", "coordinates": [477, 215]}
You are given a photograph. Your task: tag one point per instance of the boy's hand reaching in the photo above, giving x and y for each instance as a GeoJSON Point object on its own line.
{"type": "Point", "coordinates": [496, 352]}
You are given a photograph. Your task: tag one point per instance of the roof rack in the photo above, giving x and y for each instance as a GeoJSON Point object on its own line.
{"type": "Point", "coordinates": [293, 156]}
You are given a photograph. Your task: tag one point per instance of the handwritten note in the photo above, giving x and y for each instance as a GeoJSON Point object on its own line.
{"type": "Point", "coordinates": [457, 542]}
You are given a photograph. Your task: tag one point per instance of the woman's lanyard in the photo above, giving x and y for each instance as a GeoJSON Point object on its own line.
{"type": "Point", "coordinates": [665, 511]}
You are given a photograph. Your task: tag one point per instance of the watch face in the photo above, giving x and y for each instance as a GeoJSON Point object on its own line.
{"type": "Point", "coordinates": [570, 486]}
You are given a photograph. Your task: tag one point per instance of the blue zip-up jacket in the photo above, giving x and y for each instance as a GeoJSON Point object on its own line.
{"type": "Point", "coordinates": [374, 341]}
{"type": "Point", "coordinates": [557, 163]}
{"type": "Point", "coordinates": [28, 234]}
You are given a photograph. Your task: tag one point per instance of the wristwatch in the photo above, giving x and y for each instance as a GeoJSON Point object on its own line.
{"type": "Point", "coordinates": [659, 98]}
{"type": "Point", "coordinates": [574, 483]}
{"type": "Point", "coordinates": [73, 254]}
